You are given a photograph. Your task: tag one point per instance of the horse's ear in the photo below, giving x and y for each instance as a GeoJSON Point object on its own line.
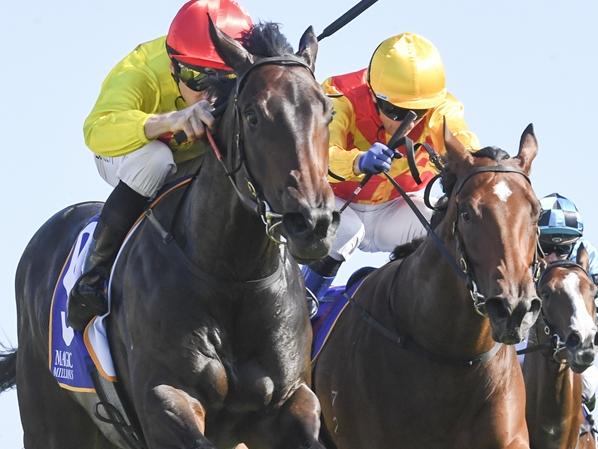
{"type": "Point", "coordinates": [583, 258]}
{"type": "Point", "coordinates": [231, 51]}
{"type": "Point", "coordinates": [308, 48]}
{"type": "Point", "coordinates": [528, 148]}
{"type": "Point", "coordinates": [456, 153]}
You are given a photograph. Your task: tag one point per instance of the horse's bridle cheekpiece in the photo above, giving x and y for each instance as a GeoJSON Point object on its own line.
{"type": "Point", "coordinates": [479, 300]}
{"type": "Point", "coordinates": [256, 202]}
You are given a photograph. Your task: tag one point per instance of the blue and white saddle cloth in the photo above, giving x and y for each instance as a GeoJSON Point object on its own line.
{"type": "Point", "coordinates": [74, 355]}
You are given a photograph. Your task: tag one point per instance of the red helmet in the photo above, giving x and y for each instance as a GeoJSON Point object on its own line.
{"type": "Point", "coordinates": [188, 40]}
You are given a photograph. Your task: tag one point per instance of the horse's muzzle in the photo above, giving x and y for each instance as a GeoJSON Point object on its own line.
{"type": "Point", "coordinates": [310, 232]}
{"type": "Point", "coordinates": [512, 320]}
{"type": "Point", "coordinates": [579, 352]}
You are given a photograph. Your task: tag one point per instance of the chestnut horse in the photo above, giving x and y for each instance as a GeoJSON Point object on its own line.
{"type": "Point", "coordinates": [566, 335]}
{"type": "Point", "coordinates": [209, 329]}
{"type": "Point", "coordinates": [412, 363]}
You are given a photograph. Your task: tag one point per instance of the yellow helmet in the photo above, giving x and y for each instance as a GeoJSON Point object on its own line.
{"type": "Point", "coordinates": [407, 71]}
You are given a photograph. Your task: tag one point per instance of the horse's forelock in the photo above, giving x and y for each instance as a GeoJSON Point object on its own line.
{"type": "Point", "coordinates": [264, 40]}
{"type": "Point", "coordinates": [449, 177]}
{"type": "Point", "coordinates": [494, 153]}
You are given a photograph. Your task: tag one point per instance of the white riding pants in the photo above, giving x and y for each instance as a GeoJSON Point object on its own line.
{"type": "Point", "coordinates": [144, 170]}
{"type": "Point", "coordinates": [378, 227]}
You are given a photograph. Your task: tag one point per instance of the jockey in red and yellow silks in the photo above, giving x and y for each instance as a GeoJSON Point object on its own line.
{"type": "Point", "coordinates": [405, 73]}
{"type": "Point", "coordinates": [356, 126]}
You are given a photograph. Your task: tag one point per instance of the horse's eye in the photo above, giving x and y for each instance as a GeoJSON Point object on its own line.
{"type": "Point", "coordinates": [251, 118]}
{"type": "Point", "coordinates": [465, 216]}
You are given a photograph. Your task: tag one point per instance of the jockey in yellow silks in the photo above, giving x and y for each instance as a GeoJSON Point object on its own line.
{"type": "Point", "coordinates": [405, 73]}
{"type": "Point", "coordinates": [153, 93]}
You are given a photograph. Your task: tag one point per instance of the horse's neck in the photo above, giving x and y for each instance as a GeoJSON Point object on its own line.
{"type": "Point", "coordinates": [219, 234]}
{"type": "Point", "coordinates": [553, 384]}
{"type": "Point", "coordinates": [553, 406]}
{"type": "Point", "coordinates": [435, 305]}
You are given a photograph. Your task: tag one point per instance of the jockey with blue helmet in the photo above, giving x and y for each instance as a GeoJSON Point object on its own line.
{"type": "Point", "coordinates": [561, 234]}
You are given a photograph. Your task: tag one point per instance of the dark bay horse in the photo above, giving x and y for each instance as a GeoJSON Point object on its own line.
{"type": "Point", "coordinates": [209, 331]}
{"type": "Point", "coordinates": [414, 361]}
{"type": "Point", "coordinates": [566, 332]}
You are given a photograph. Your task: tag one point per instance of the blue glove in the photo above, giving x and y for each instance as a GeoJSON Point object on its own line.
{"type": "Point", "coordinates": [375, 160]}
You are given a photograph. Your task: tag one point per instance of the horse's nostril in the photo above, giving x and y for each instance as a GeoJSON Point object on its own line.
{"type": "Point", "coordinates": [295, 223]}
{"type": "Point", "coordinates": [596, 339]}
{"type": "Point", "coordinates": [535, 306]}
{"type": "Point", "coordinates": [573, 340]}
{"type": "Point", "coordinates": [497, 308]}
{"type": "Point", "coordinates": [587, 357]}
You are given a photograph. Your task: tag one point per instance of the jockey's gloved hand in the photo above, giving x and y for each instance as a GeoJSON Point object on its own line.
{"type": "Point", "coordinates": [375, 160]}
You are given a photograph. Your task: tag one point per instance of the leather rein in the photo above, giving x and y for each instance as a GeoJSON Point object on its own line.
{"type": "Point", "coordinates": [459, 265]}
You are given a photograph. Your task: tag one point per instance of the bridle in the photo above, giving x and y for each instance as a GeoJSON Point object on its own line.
{"type": "Point", "coordinates": [555, 345]}
{"type": "Point", "coordinates": [459, 262]}
{"type": "Point", "coordinates": [256, 200]}
{"type": "Point", "coordinates": [463, 267]}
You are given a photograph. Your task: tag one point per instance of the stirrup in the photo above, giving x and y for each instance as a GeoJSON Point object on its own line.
{"type": "Point", "coordinates": [313, 304]}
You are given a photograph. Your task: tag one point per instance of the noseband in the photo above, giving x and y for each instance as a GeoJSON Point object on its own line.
{"type": "Point", "coordinates": [256, 201]}
{"type": "Point", "coordinates": [479, 300]}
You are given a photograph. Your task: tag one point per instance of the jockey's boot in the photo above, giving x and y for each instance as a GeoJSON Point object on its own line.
{"type": "Point", "coordinates": [88, 296]}
{"type": "Point", "coordinates": [318, 278]}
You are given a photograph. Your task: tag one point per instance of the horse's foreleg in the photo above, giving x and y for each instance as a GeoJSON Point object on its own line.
{"type": "Point", "coordinates": [296, 426]}
{"type": "Point", "coordinates": [173, 419]}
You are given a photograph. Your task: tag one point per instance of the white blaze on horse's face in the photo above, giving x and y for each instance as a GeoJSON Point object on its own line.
{"type": "Point", "coordinates": [581, 321]}
{"type": "Point", "coordinates": [502, 191]}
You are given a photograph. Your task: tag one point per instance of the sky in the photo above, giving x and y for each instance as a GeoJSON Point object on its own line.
{"type": "Point", "coordinates": [511, 63]}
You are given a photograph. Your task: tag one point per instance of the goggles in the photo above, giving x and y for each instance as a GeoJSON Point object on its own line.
{"type": "Point", "coordinates": [396, 113]}
{"type": "Point", "coordinates": [563, 249]}
{"type": "Point", "coordinates": [194, 77]}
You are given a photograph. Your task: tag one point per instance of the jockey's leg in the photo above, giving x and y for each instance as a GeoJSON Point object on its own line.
{"type": "Point", "coordinates": [397, 224]}
{"type": "Point", "coordinates": [320, 274]}
{"type": "Point", "coordinates": [589, 386]}
{"type": "Point", "coordinates": [136, 177]}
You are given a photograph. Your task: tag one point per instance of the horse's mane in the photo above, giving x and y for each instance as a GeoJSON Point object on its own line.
{"type": "Point", "coordinates": [263, 40]}
{"type": "Point", "coordinates": [406, 249]}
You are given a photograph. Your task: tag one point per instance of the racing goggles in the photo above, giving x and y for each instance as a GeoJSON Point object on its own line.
{"type": "Point", "coordinates": [396, 113]}
{"type": "Point", "coordinates": [194, 77]}
{"type": "Point", "coordinates": [562, 249]}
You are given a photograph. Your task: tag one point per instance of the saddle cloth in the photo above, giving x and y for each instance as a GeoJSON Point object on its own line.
{"type": "Point", "coordinates": [332, 305]}
{"type": "Point", "coordinates": [74, 355]}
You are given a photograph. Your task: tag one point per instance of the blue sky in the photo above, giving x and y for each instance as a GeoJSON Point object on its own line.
{"type": "Point", "coordinates": [509, 62]}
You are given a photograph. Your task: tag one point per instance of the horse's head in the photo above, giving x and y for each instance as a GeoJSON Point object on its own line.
{"type": "Point", "coordinates": [278, 117]}
{"type": "Point", "coordinates": [568, 310]}
{"type": "Point", "coordinates": [493, 215]}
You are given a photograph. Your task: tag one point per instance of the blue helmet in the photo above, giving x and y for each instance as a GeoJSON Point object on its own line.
{"type": "Point", "coordinates": [559, 220]}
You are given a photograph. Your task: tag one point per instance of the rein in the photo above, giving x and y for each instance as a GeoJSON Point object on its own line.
{"type": "Point", "coordinates": [257, 201]}
{"type": "Point", "coordinates": [407, 342]}
{"type": "Point", "coordinates": [459, 264]}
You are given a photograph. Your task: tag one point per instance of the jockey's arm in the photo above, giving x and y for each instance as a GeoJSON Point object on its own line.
{"type": "Point", "coordinates": [342, 160]}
